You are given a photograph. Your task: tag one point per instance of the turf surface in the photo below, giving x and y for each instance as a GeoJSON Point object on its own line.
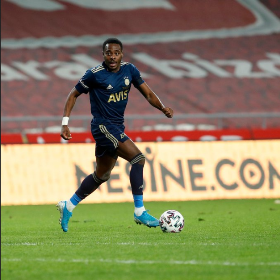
{"type": "Point", "coordinates": [223, 239]}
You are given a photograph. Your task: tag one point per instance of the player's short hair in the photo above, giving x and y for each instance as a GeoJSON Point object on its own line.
{"type": "Point", "coordinates": [112, 41]}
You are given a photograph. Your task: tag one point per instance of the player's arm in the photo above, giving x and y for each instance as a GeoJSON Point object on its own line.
{"type": "Point", "coordinates": [69, 104]}
{"type": "Point", "coordinates": [154, 100]}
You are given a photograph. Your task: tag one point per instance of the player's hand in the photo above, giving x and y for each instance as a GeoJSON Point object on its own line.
{"type": "Point", "coordinates": [168, 112]}
{"type": "Point", "coordinates": [65, 132]}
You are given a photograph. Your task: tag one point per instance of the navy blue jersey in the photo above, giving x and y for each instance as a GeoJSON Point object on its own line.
{"type": "Point", "coordinates": [108, 90]}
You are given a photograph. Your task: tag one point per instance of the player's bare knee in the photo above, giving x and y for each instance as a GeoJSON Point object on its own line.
{"type": "Point", "coordinates": [142, 161]}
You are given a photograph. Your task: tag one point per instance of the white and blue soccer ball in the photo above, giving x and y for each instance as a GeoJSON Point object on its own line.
{"type": "Point", "coordinates": [171, 221]}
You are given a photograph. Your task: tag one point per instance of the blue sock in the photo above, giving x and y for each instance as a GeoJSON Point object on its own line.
{"type": "Point", "coordinates": [136, 181]}
{"type": "Point", "coordinates": [75, 199]}
{"type": "Point", "coordinates": [138, 200]}
{"type": "Point", "coordinates": [89, 185]}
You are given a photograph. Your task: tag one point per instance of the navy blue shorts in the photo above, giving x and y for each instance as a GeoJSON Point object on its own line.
{"type": "Point", "coordinates": [107, 136]}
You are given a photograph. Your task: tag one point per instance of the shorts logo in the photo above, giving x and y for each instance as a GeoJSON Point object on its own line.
{"type": "Point", "coordinates": [123, 135]}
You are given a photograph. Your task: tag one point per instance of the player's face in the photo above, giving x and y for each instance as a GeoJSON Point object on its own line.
{"type": "Point", "coordinates": [113, 56]}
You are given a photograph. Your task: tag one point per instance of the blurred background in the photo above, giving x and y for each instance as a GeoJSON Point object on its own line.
{"type": "Point", "coordinates": [216, 63]}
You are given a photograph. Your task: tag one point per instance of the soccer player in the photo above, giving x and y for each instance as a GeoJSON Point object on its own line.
{"type": "Point", "coordinates": [108, 86]}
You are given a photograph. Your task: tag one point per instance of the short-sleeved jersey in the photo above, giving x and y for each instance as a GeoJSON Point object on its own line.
{"type": "Point", "coordinates": [109, 90]}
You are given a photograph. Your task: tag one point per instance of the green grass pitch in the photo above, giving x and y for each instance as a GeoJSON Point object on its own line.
{"type": "Point", "coordinates": [222, 239]}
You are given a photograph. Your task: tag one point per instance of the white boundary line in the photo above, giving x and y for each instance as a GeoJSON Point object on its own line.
{"type": "Point", "coordinates": [129, 244]}
{"type": "Point", "coordinates": [266, 23]}
{"type": "Point", "coordinates": [116, 261]}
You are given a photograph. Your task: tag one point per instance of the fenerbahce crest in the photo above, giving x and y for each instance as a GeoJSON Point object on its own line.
{"type": "Point", "coordinates": [126, 81]}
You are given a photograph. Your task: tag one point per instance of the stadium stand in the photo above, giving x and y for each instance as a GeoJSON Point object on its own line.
{"type": "Point", "coordinates": [200, 58]}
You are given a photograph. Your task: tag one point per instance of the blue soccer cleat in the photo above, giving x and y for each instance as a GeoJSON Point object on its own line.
{"type": "Point", "coordinates": [65, 215]}
{"type": "Point", "coordinates": [146, 219]}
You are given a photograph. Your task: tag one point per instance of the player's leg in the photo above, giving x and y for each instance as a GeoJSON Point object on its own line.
{"type": "Point", "coordinates": [104, 166]}
{"type": "Point", "coordinates": [130, 152]}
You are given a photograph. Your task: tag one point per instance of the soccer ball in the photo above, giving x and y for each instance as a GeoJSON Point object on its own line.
{"type": "Point", "coordinates": [171, 221]}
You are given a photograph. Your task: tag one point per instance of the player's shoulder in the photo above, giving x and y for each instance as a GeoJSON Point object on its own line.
{"type": "Point", "coordinates": [128, 65]}
{"type": "Point", "coordinates": [97, 69]}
